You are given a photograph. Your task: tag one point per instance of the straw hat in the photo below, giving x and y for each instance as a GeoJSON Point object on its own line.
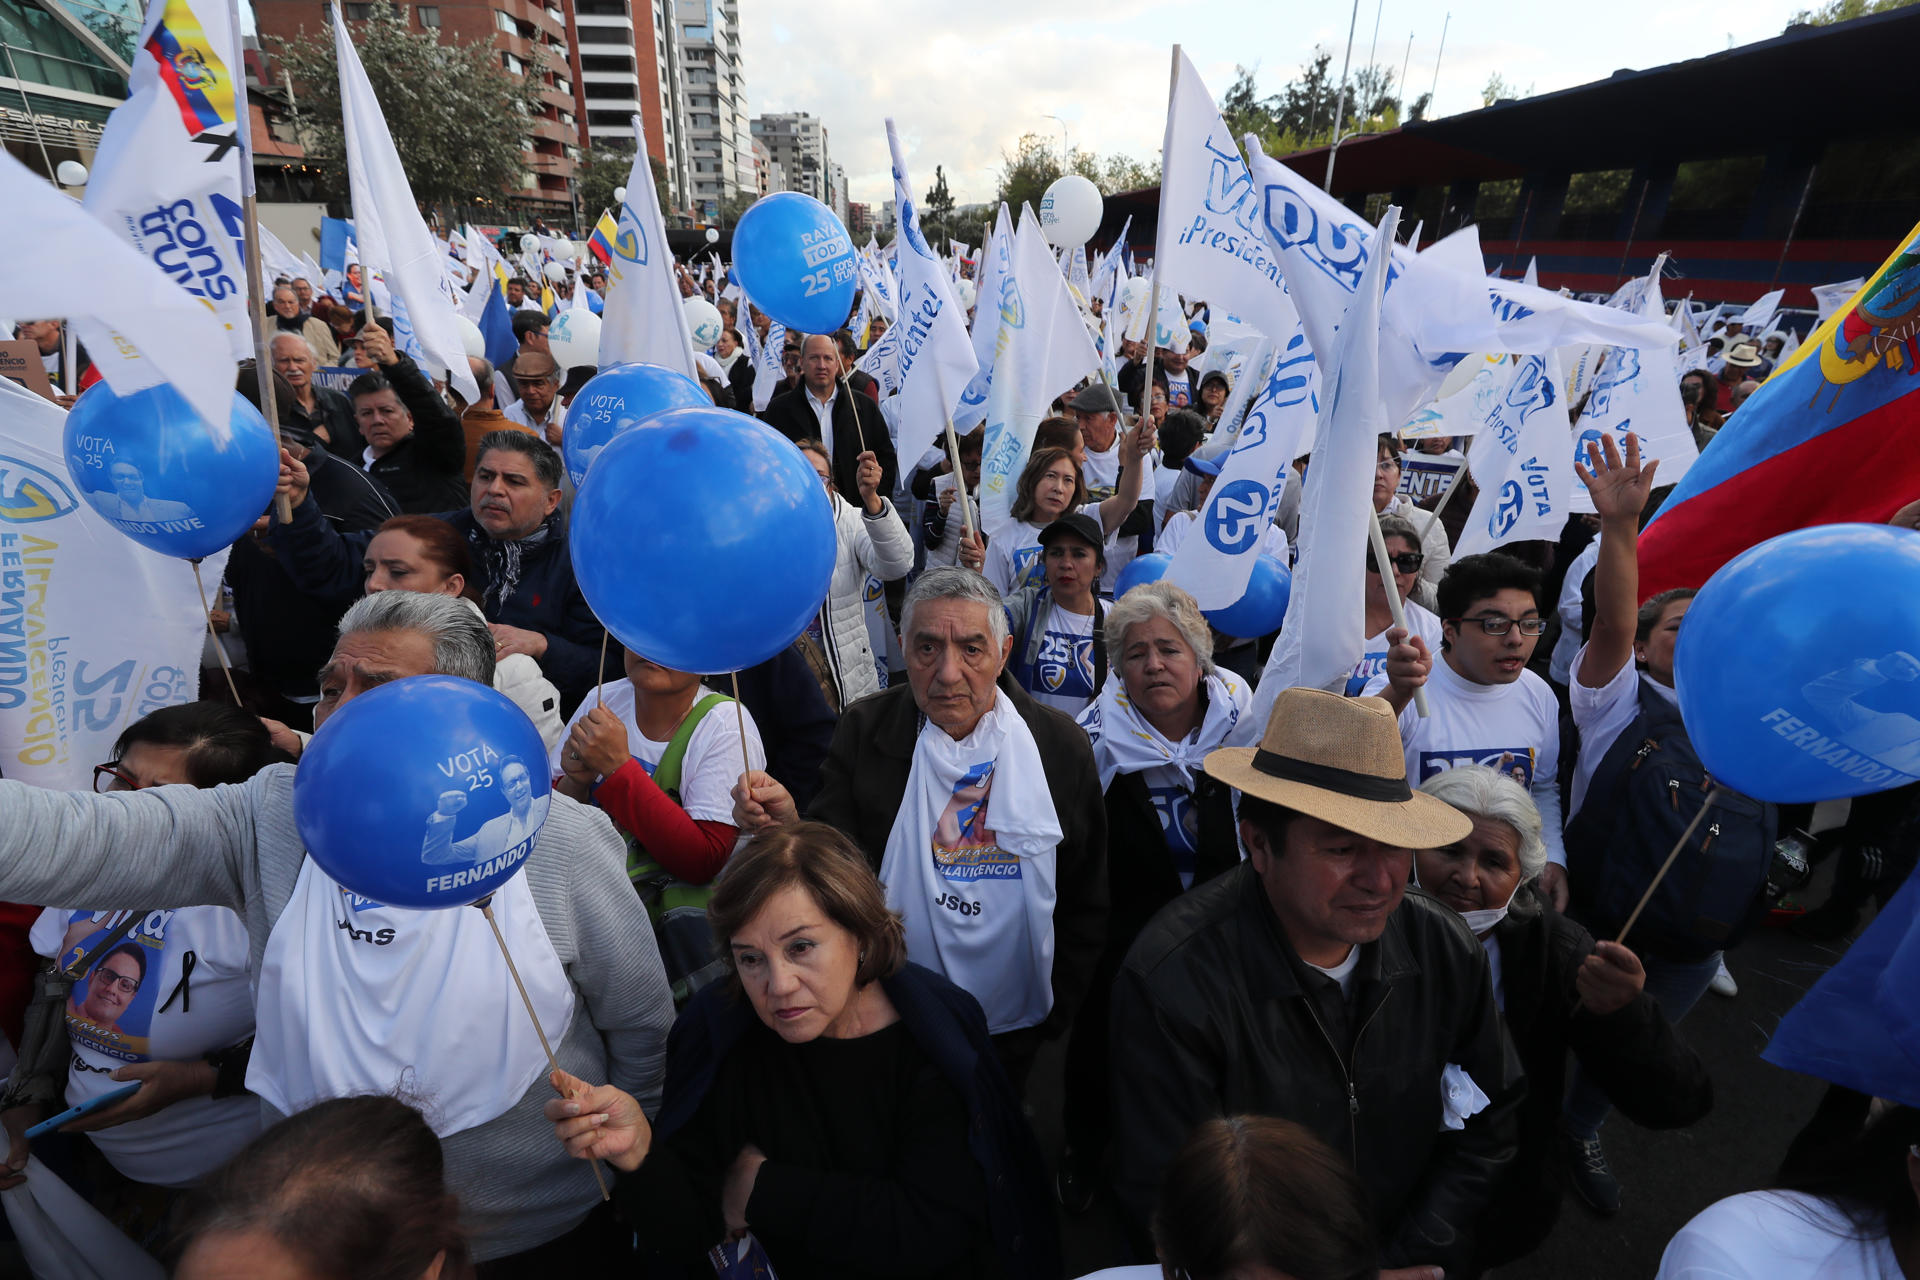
{"type": "Point", "coordinates": [1340, 760]}
{"type": "Point", "coordinates": [1745, 355]}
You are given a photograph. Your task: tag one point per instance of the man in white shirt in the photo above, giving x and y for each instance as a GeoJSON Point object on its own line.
{"type": "Point", "coordinates": [1484, 706]}
{"type": "Point", "coordinates": [1097, 414]}
{"type": "Point", "coordinates": [821, 408]}
{"type": "Point", "coordinates": [538, 409]}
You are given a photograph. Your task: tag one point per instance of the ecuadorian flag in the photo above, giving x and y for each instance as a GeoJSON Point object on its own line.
{"type": "Point", "coordinates": [191, 70]}
{"type": "Point", "coordinates": [600, 243]}
{"type": "Point", "coordinates": [1832, 436]}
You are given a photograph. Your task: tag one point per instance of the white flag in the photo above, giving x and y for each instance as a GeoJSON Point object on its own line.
{"type": "Point", "coordinates": [1215, 563]}
{"type": "Point", "coordinates": [1638, 391]}
{"type": "Point", "coordinates": [767, 369]}
{"type": "Point", "coordinates": [276, 260]}
{"type": "Point", "coordinates": [1111, 271]}
{"type": "Point", "coordinates": [878, 282]}
{"type": "Point", "coordinates": [1077, 271]}
{"type": "Point", "coordinates": [167, 175]}
{"type": "Point", "coordinates": [641, 318]}
{"type": "Point", "coordinates": [1044, 350]}
{"type": "Point", "coordinates": [926, 354]}
{"type": "Point", "coordinates": [1829, 298]}
{"type": "Point", "coordinates": [393, 239]}
{"type": "Point", "coordinates": [990, 281]}
{"type": "Point", "coordinates": [140, 328]}
{"type": "Point", "coordinates": [1325, 630]}
{"type": "Point", "coordinates": [1521, 461]}
{"type": "Point", "coordinates": [1756, 318]}
{"type": "Point", "coordinates": [106, 625]}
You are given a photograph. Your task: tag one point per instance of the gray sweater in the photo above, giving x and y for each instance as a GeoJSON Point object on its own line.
{"type": "Point", "coordinates": [236, 846]}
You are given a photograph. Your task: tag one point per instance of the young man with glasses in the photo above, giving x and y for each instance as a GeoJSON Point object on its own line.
{"type": "Point", "coordinates": [1484, 706]}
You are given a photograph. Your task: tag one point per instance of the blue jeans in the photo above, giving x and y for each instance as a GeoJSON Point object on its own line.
{"type": "Point", "coordinates": [1678, 986]}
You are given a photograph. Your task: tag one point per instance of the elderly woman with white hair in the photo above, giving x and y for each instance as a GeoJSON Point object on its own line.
{"type": "Point", "coordinates": [1169, 825]}
{"type": "Point", "coordinates": [1558, 990]}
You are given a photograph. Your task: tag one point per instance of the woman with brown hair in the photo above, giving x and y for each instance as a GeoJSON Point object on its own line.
{"type": "Point", "coordinates": [1052, 485]}
{"type": "Point", "coordinates": [842, 1105]}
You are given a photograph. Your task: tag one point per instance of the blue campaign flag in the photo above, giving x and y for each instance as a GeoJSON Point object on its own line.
{"type": "Point", "coordinates": [496, 326]}
{"type": "Point", "coordinates": [335, 233]}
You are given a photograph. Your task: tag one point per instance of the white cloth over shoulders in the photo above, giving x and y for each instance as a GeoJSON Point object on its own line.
{"type": "Point", "coordinates": [1777, 1235]}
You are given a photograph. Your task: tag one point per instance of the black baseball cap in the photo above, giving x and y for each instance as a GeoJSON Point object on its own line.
{"type": "Point", "coordinates": [1079, 525]}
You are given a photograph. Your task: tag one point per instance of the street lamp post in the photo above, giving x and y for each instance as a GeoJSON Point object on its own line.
{"type": "Point", "coordinates": [1066, 152]}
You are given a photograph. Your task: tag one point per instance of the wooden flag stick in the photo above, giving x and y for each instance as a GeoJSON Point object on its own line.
{"type": "Point", "coordinates": [1392, 588]}
{"type": "Point", "coordinates": [219, 650]}
{"type": "Point", "coordinates": [1667, 866]}
{"type": "Point", "coordinates": [960, 479]}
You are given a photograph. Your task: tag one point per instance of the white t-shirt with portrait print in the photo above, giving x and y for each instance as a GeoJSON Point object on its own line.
{"type": "Point", "coordinates": [1013, 555]}
{"type": "Point", "coordinates": [712, 764]}
{"type": "Point", "coordinates": [1514, 728]}
{"type": "Point", "coordinates": [1062, 674]}
{"type": "Point", "coordinates": [1180, 390]}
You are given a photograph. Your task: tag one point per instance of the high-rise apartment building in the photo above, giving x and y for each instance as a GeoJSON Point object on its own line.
{"type": "Point", "coordinates": [713, 87]}
{"type": "Point", "coordinates": [797, 143]}
{"type": "Point", "coordinates": [65, 69]}
{"type": "Point", "coordinates": [630, 64]}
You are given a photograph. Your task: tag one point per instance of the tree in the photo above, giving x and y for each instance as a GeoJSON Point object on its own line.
{"type": "Point", "coordinates": [1500, 89]}
{"type": "Point", "coordinates": [936, 211]}
{"type": "Point", "coordinates": [1035, 166]}
{"type": "Point", "coordinates": [603, 171]}
{"type": "Point", "coordinates": [1844, 11]}
{"type": "Point", "coordinates": [459, 119]}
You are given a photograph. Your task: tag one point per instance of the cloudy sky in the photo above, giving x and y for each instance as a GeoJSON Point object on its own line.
{"type": "Point", "coordinates": [964, 81]}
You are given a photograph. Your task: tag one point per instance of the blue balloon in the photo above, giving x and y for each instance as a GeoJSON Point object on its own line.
{"type": "Point", "coordinates": [1261, 611]}
{"type": "Point", "coordinates": [147, 464]}
{"type": "Point", "coordinates": [703, 540]}
{"type": "Point", "coordinates": [1148, 568]}
{"type": "Point", "coordinates": [616, 399]}
{"type": "Point", "coordinates": [1798, 665]}
{"type": "Point", "coordinates": [796, 262]}
{"type": "Point", "coordinates": [423, 793]}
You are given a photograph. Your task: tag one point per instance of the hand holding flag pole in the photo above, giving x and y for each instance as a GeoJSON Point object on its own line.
{"type": "Point", "coordinates": [1384, 567]}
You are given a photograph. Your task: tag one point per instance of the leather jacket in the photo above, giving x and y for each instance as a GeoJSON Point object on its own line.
{"type": "Point", "coordinates": [1211, 1017]}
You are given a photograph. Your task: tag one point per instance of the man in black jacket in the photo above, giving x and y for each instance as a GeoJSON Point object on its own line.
{"type": "Point", "coordinates": [1311, 983]}
{"type": "Point", "coordinates": [322, 411]}
{"type": "Point", "coordinates": [955, 634]}
{"type": "Point", "coordinates": [407, 437]}
{"type": "Point", "coordinates": [820, 408]}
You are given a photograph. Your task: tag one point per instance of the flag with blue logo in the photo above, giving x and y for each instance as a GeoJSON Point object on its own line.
{"type": "Point", "coordinates": [990, 282]}
{"type": "Point", "coordinates": [1522, 461]}
{"type": "Point", "coordinates": [642, 319]}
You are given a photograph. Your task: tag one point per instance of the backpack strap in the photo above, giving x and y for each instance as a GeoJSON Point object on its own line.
{"type": "Point", "coordinates": [666, 774]}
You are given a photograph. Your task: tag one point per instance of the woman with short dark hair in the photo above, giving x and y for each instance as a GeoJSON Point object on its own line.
{"type": "Point", "coordinates": [842, 1105]}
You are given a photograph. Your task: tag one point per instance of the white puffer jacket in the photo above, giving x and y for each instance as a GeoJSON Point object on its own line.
{"type": "Point", "coordinates": [878, 545]}
{"type": "Point", "coordinates": [518, 676]}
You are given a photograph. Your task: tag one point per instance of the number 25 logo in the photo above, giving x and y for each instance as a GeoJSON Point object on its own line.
{"type": "Point", "coordinates": [818, 282]}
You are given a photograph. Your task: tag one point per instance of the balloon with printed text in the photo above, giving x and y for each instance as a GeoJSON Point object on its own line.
{"type": "Point", "coordinates": [703, 323]}
{"type": "Point", "coordinates": [796, 261]}
{"type": "Point", "coordinates": [703, 540]}
{"type": "Point", "coordinates": [1070, 211]}
{"type": "Point", "coordinates": [616, 400]}
{"type": "Point", "coordinates": [426, 792]}
{"type": "Point", "coordinates": [574, 338]}
{"type": "Point", "coordinates": [1140, 570]}
{"type": "Point", "coordinates": [1264, 606]}
{"type": "Point", "coordinates": [1833, 709]}
{"type": "Point", "coordinates": [150, 467]}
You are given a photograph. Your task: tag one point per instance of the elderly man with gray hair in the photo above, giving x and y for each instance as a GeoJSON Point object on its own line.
{"type": "Point", "coordinates": [980, 810]}
{"type": "Point", "coordinates": [357, 997]}
{"type": "Point", "coordinates": [324, 412]}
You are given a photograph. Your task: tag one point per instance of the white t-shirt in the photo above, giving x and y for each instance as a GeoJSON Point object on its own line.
{"type": "Point", "coordinates": [1776, 1235]}
{"type": "Point", "coordinates": [1341, 973]}
{"type": "Point", "coordinates": [1179, 390]}
{"type": "Point", "coordinates": [195, 996]}
{"type": "Point", "coordinates": [1602, 715]}
{"type": "Point", "coordinates": [1062, 673]}
{"type": "Point", "coordinates": [1373, 662]}
{"type": "Point", "coordinates": [1102, 474]}
{"type": "Point", "coordinates": [1013, 554]}
{"type": "Point", "coordinates": [712, 763]}
{"type": "Point", "coordinates": [1182, 523]}
{"type": "Point", "coordinates": [1572, 614]}
{"type": "Point", "coordinates": [1512, 727]}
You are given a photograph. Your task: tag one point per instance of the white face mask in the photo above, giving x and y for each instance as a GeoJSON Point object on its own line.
{"type": "Point", "coordinates": [1483, 920]}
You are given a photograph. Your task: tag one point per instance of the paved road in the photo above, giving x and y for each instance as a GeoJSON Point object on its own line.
{"type": "Point", "coordinates": [1667, 1177]}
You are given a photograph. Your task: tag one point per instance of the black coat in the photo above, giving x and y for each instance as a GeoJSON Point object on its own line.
{"type": "Point", "coordinates": [791, 415]}
{"type": "Point", "coordinates": [332, 413]}
{"type": "Point", "coordinates": [790, 709]}
{"type": "Point", "coordinates": [1647, 1071]}
{"type": "Point", "coordinates": [864, 781]}
{"type": "Point", "coordinates": [426, 472]}
{"type": "Point", "coordinates": [1210, 1019]}
{"type": "Point", "coordinates": [1141, 877]}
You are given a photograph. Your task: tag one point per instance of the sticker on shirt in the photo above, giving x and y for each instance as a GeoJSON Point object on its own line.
{"type": "Point", "coordinates": [1515, 762]}
{"type": "Point", "coordinates": [1065, 664]}
{"type": "Point", "coordinates": [964, 847]}
{"type": "Point", "coordinates": [110, 1009]}
{"type": "Point", "coordinates": [1027, 569]}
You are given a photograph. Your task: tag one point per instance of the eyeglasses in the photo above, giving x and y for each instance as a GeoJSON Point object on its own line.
{"type": "Point", "coordinates": [1496, 625]}
{"type": "Point", "coordinates": [1385, 465]}
{"type": "Point", "coordinates": [111, 777]}
{"type": "Point", "coordinates": [127, 985]}
{"type": "Point", "coordinates": [1405, 562]}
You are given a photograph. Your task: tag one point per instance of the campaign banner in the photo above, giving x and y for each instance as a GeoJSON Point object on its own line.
{"type": "Point", "coordinates": [335, 377]}
{"type": "Point", "coordinates": [1521, 462]}
{"type": "Point", "coordinates": [1424, 476]}
{"type": "Point", "coordinates": [96, 631]}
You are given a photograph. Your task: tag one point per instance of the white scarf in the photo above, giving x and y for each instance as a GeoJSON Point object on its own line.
{"type": "Point", "coordinates": [970, 865]}
{"type": "Point", "coordinates": [1123, 741]}
{"type": "Point", "coordinates": [356, 997]}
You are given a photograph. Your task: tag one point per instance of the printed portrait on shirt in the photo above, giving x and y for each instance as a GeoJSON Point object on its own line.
{"type": "Point", "coordinates": [1516, 762]}
{"type": "Point", "coordinates": [110, 1008]}
{"type": "Point", "coordinates": [964, 847]}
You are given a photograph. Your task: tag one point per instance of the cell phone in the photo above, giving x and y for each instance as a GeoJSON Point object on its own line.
{"type": "Point", "coordinates": [85, 1108]}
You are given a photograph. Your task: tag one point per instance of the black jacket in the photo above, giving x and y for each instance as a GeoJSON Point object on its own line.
{"type": "Point", "coordinates": [791, 415]}
{"type": "Point", "coordinates": [426, 472]}
{"type": "Point", "coordinates": [790, 709]}
{"type": "Point", "coordinates": [328, 564]}
{"type": "Point", "coordinates": [289, 632]}
{"type": "Point", "coordinates": [864, 780]}
{"type": "Point", "coordinates": [333, 414]}
{"type": "Point", "coordinates": [950, 1029]}
{"type": "Point", "coordinates": [1647, 1071]}
{"type": "Point", "coordinates": [1210, 1018]}
{"type": "Point", "coordinates": [1141, 877]}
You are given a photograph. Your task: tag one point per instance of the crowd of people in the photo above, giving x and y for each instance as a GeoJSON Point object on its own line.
{"type": "Point", "coordinates": [1338, 992]}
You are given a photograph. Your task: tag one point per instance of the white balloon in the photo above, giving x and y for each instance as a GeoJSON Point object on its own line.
{"type": "Point", "coordinates": [71, 173]}
{"type": "Point", "coordinates": [964, 294]}
{"type": "Point", "coordinates": [713, 236]}
{"type": "Point", "coordinates": [1070, 211]}
{"type": "Point", "coordinates": [561, 249]}
{"type": "Point", "coordinates": [574, 338]}
{"type": "Point", "coordinates": [471, 338]}
{"type": "Point", "coordinates": [529, 243]}
{"type": "Point", "coordinates": [703, 323]}
{"type": "Point", "coordinates": [620, 194]}
{"type": "Point", "coordinates": [557, 272]}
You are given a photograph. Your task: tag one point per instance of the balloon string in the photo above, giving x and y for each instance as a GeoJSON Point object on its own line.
{"type": "Point", "coordinates": [740, 718]}
{"type": "Point", "coordinates": [854, 408]}
{"type": "Point", "coordinates": [486, 909]}
{"type": "Point", "coordinates": [219, 650]}
{"type": "Point", "coordinates": [600, 673]}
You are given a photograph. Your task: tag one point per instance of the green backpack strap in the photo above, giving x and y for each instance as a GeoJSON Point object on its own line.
{"type": "Point", "coordinates": [666, 776]}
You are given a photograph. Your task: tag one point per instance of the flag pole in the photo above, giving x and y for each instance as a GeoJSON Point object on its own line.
{"type": "Point", "coordinates": [250, 213]}
{"type": "Point", "coordinates": [1159, 259]}
{"type": "Point", "coordinates": [1392, 588]}
{"type": "Point", "coordinates": [959, 479]}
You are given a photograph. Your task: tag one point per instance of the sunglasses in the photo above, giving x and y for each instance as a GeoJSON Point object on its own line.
{"type": "Point", "coordinates": [1405, 562]}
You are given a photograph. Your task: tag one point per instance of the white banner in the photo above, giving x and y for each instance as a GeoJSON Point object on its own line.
{"type": "Point", "coordinates": [95, 630]}
{"type": "Point", "coordinates": [1462, 412]}
{"type": "Point", "coordinates": [1637, 391]}
{"type": "Point", "coordinates": [167, 175]}
{"type": "Point", "coordinates": [1521, 462]}
{"type": "Point", "coordinates": [1756, 318]}
{"type": "Point", "coordinates": [641, 318]}
{"type": "Point", "coordinates": [1215, 563]}
{"type": "Point", "coordinates": [991, 280]}
{"type": "Point", "coordinates": [1044, 349]}
{"type": "Point", "coordinates": [1829, 298]}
